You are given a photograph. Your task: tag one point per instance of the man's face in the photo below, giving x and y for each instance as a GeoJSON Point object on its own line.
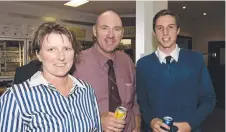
{"type": "Point", "coordinates": [166, 31]}
{"type": "Point", "coordinates": [109, 32]}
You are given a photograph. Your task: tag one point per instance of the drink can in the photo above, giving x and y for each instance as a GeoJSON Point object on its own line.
{"type": "Point", "coordinates": [168, 121]}
{"type": "Point", "coordinates": [120, 113]}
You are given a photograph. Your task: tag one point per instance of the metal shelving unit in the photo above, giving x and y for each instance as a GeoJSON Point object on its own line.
{"type": "Point", "coordinates": [13, 54]}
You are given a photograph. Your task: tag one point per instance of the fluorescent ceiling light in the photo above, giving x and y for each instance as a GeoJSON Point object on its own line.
{"type": "Point", "coordinates": [184, 7]}
{"type": "Point", "coordinates": [49, 19]}
{"type": "Point", "coordinates": [204, 14]}
{"type": "Point", "coordinates": [76, 3]}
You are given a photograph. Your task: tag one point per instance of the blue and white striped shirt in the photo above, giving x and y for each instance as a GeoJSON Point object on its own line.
{"type": "Point", "coordinates": [36, 105]}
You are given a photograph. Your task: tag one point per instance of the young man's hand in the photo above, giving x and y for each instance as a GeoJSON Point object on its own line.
{"type": "Point", "coordinates": [156, 125]}
{"type": "Point", "coordinates": [182, 126]}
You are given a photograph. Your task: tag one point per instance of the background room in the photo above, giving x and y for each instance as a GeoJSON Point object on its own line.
{"type": "Point", "coordinates": [19, 20]}
{"type": "Point", "coordinates": [202, 29]}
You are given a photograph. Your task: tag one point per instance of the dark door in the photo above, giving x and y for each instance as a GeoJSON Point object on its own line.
{"type": "Point", "coordinates": [184, 42]}
{"type": "Point", "coordinates": [216, 67]}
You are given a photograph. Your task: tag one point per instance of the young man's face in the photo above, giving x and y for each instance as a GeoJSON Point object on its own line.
{"type": "Point", "coordinates": [109, 32]}
{"type": "Point", "coordinates": [166, 32]}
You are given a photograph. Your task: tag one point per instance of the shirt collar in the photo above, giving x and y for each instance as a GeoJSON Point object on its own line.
{"type": "Point", "coordinates": [101, 58]}
{"type": "Point", "coordinates": [174, 54]}
{"type": "Point", "coordinates": [37, 79]}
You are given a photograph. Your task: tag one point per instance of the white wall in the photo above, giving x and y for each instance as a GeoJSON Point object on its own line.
{"type": "Point", "coordinates": [203, 30]}
{"type": "Point", "coordinates": [145, 40]}
{"type": "Point", "coordinates": [10, 16]}
{"type": "Point", "coordinates": [208, 30]}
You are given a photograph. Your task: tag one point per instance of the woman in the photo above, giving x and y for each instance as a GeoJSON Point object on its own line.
{"type": "Point", "coordinates": [51, 100]}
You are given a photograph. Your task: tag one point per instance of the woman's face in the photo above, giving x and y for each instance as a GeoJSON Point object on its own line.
{"type": "Point", "coordinates": [56, 55]}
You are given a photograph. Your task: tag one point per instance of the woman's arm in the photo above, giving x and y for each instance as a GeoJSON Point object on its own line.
{"type": "Point", "coordinates": [10, 116]}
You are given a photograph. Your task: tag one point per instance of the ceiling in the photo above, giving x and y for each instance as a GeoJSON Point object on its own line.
{"type": "Point", "coordinates": [193, 11]}
{"type": "Point", "coordinates": [94, 7]}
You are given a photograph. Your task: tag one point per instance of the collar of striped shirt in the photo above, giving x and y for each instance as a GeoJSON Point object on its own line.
{"type": "Point", "coordinates": [38, 79]}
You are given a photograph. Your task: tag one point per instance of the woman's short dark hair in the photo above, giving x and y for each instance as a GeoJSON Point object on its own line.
{"type": "Point", "coordinates": [48, 28]}
{"type": "Point", "coordinates": [163, 13]}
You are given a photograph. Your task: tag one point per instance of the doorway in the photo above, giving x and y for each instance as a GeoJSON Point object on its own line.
{"type": "Point", "coordinates": [216, 67]}
{"type": "Point", "coordinates": [184, 42]}
{"type": "Point", "coordinates": [128, 46]}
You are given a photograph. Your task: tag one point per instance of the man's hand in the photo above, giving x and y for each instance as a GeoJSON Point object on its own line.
{"type": "Point", "coordinates": [182, 126]}
{"type": "Point", "coordinates": [136, 129]}
{"type": "Point", "coordinates": [156, 125]}
{"type": "Point", "coordinates": [138, 124]}
{"type": "Point", "coordinates": [110, 124]}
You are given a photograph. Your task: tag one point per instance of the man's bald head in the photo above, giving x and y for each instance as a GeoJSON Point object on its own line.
{"type": "Point", "coordinates": [108, 15]}
{"type": "Point", "coordinates": [108, 32]}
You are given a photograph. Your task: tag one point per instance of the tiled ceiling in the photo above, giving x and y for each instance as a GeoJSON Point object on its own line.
{"type": "Point", "coordinates": [193, 11]}
{"type": "Point", "coordinates": [94, 7]}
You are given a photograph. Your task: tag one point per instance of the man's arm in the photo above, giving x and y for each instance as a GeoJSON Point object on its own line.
{"type": "Point", "coordinates": [138, 124]}
{"type": "Point", "coordinates": [142, 97]}
{"type": "Point", "coordinates": [136, 113]}
{"type": "Point", "coordinates": [136, 110]}
{"type": "Point", "coordinates": [207, 99]}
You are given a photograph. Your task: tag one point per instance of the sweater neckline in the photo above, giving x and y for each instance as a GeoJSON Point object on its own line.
{"type": "Point", "coordinates": [179, 56]}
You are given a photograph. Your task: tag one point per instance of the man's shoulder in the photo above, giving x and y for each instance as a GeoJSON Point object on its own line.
{"type": "Point", "coordinates": [123, 58]}
{"type": "Point", "coordinates": [122, 55]}
{"type": "Point", "coordinates": [34, 64]}
{"type": "Point", "coordinates": [191, 53]}
{"type": "Point", "coordinates": [191, 58]}
{"type": "Point", "coordinates": [146, 58]}
{"type": "Point", "coordinates": [87, 52]}
{"type": "Point", "coordinates": [83, 84]}
{"type": "Point", "coordinates": [188, 51]}
{"type": "Point", "coordinates": [25, 67]}
{"type": "Point", "coordinates": [85, 56]}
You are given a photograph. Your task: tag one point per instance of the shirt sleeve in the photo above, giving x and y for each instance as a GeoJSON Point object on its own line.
{"type": "Point", "coordinates": [10, 116]}
{"type": "Point", "coordinates": [136, 110]}
{"type": "Point", "coordinates": [96, 111]}
{"type": "Point", "coordinates": [207, 99]}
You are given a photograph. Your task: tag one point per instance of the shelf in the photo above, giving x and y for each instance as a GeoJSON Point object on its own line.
{"type": "Point", "coordinates": [13, 54]}
{"type": "Point", "coordinates": [10, 51]}
{"type": "Point", "coordinates": [6, 78]}
{"type": "Point", "coordinates": [11, 62]}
